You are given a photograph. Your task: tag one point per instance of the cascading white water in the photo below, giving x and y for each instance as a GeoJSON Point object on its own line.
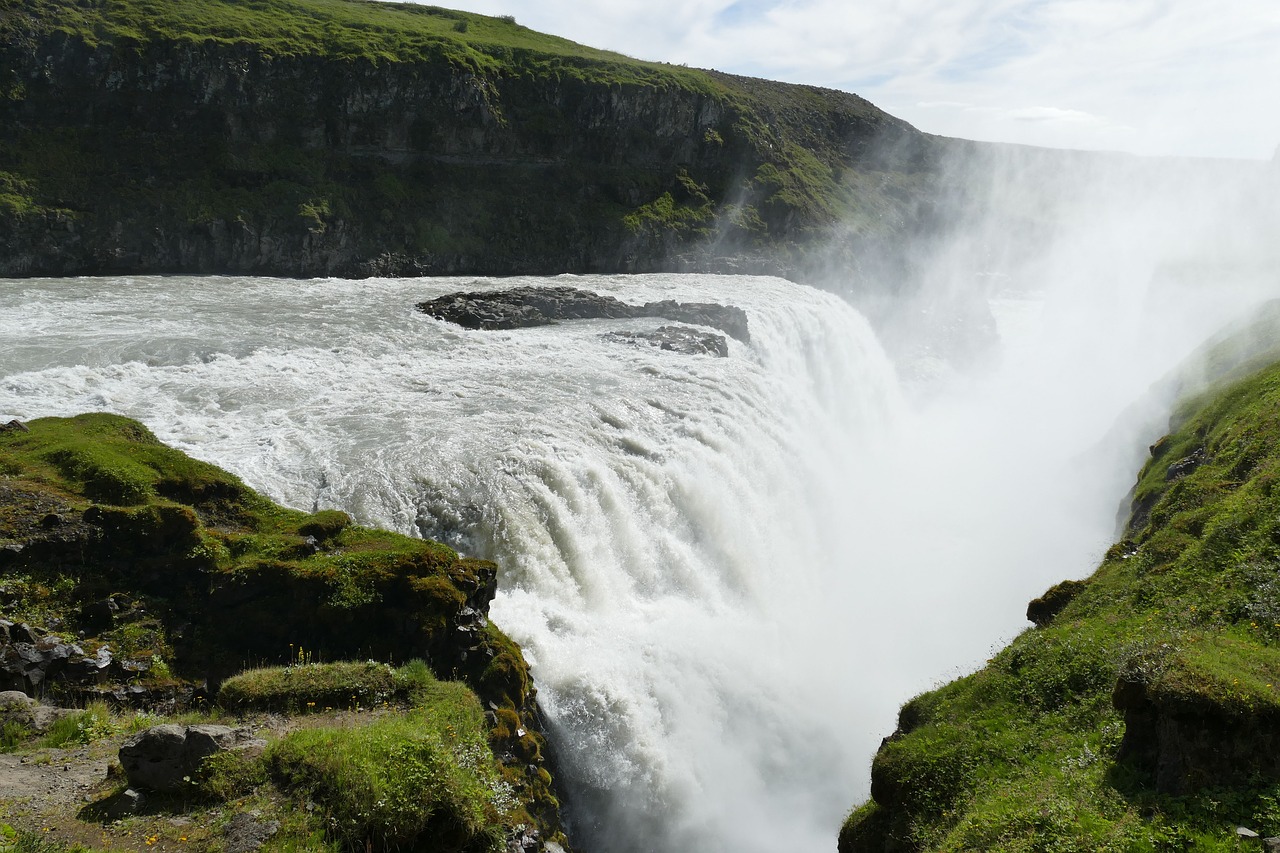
{"type": "Point", "coordinates": [726, 573]}
{"type": "Point", "coordinates": [663, 522]}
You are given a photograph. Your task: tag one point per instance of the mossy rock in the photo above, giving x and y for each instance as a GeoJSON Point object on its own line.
{"type": "Point", "coordinates": [1042, 610]}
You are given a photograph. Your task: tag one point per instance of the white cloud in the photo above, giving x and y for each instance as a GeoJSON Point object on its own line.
{"type": "Point", "coordinates": [1153, 76]}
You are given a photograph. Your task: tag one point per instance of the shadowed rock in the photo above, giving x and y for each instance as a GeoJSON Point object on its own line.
{"type": "Point", "coordinates": [523, 307]}
{"type": "Point", "coordinates": [165, 758]}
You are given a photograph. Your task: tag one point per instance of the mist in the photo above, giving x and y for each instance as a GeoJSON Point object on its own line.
{"type": "Point", "coordinates": [1040, 335]}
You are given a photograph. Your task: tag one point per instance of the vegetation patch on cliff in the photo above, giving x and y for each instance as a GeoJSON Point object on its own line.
{"type": "Point", "coordinates": [1143, 711]}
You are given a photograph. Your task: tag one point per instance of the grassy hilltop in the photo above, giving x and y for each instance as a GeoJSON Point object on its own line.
{"type": "Point", "coordinates": [311, 137]}
{"type": "Point", "coordinates": [1143, 710]}
{"type": "Point", "coordinates": [160, 585]}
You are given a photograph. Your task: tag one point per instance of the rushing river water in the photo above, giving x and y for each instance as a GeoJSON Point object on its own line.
{"type": "Point", "coordinates": [727, 573]}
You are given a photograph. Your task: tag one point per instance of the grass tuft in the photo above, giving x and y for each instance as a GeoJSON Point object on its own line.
{"type": "Point", "coordinates": [311, 687]}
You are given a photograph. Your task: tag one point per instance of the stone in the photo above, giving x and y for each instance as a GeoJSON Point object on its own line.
{"type": "Point", "coordinates": [10, 698]}
{"type": "Point", "coordinates": [16, 707]}
{"type": "Point", "coordinates": [246, 832]}
{"type": "Point", "coordinates": [1185, 465]}
{"type": "Point", "coordinates": [523, 841]}
{"type": "Point", "coordinates": [727, 318]}
{"type": "Point", "coordinates": [99, 616]}
{"type": "Point", "coordinates": [14, 426]}
{"type": "Point", "coordinates": [127, 802]}
{"type": "Point", "coordinates": [29, 658]}
{"type": "Point", "coordinates": [44, 716]}
{"type": "Point", "coordinates": [1042, 610]}
{"type": "Point", "coordinates": [165, 758]}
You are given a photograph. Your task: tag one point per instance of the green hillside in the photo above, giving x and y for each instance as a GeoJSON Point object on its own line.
{"type": "Point", "coordinates": [1143, 711]}
{"type": "Point", "coordinates": [343, 30]}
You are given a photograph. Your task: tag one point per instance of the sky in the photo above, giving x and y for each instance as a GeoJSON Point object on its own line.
{"type": "Point", "coordinates": [1156, 77]}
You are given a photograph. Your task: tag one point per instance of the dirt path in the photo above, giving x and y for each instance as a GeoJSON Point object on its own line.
{"type": "Point", "coordinates": [54, 778]}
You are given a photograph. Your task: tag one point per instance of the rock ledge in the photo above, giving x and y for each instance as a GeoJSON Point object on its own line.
{"type": "Point", "coordinates": [523, 307]}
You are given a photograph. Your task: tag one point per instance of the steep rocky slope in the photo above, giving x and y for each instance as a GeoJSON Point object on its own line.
{"type": "Point", "coordinates": [1143, 710]}
{"type": "Point", "coordinates": [311, 137]}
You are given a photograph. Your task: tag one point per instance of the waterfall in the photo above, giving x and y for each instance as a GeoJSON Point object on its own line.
{"type": "Point", "coordinates": [667, 526]}
{"type": "Point", "coordinates": [726, 573]}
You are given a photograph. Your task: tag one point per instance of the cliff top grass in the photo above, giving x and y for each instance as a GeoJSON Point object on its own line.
{"type": "Point", "coordinates": [118, 466]}
{"type": "Point", "coordinates": [347, 30]}
{"type": "Point", "coordinates": [520, 183]}
{"type": "Point", "coordinates": [1142, 714]}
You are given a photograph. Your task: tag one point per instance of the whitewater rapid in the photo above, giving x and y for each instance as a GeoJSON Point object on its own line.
{"type": "Point", "coordinates": [726, 573]}
{"type": "Point", "coordinates": [664, 523]}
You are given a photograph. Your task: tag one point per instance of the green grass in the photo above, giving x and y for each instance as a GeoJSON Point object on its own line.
{"type": "Point", "coordinates": [1182, 618]}
{"type": "Point", "coordinates": [398, 781]}
{"type": "Point", "coordinates": [25, 841]}
{"type": "Point", "coordinates": [312, 687]}
{"type": "Point", "coordinates": [83, 727]}
{"type": "Point", "coordinates": [351, 31]}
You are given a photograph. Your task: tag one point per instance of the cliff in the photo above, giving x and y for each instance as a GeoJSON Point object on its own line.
{"type": "Point", "coordinates": [1142, 712]}
{"type": "Point", "coordinates": [343, 137]}
{"type": "Point", "coordinates": [144, 581]}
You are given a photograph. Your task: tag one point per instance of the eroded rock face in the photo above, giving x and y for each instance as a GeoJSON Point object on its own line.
{"type": "Point", "coordinates": [165, 758]}
{"type": "Point", "coordinates": [1186, 745]}
{"type": "Point", "coordinates": [30, 658]}
{"type": "Point", "coordinates": [523, 307]}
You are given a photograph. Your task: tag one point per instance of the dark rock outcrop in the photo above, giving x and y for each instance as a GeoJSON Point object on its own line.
{"type": "Point", "coordinates": [523, 307]}
{"type": "Point", "coordinates": [1185, 743]}
{"type": "Point", "coordinates": [1042, 610]}
{"type": "Point", "coordinates": [1185, 465]}
{"type": "Point", "coordinates": [29, 658]}
{"type": "Point", "coordinates": [679, 339]}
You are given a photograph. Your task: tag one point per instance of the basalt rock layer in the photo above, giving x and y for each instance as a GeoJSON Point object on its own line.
{"type": "Point", "coordinates": [325, 137]}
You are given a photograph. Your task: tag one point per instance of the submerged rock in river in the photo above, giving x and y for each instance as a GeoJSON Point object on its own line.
{"type": "Point", "coordinates": [522, 307]}
{"type": "Point", "coordinates": [681, 339]}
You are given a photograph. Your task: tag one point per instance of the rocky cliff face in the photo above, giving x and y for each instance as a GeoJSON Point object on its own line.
{"type": "Point", "coordinates": [166, 154]}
